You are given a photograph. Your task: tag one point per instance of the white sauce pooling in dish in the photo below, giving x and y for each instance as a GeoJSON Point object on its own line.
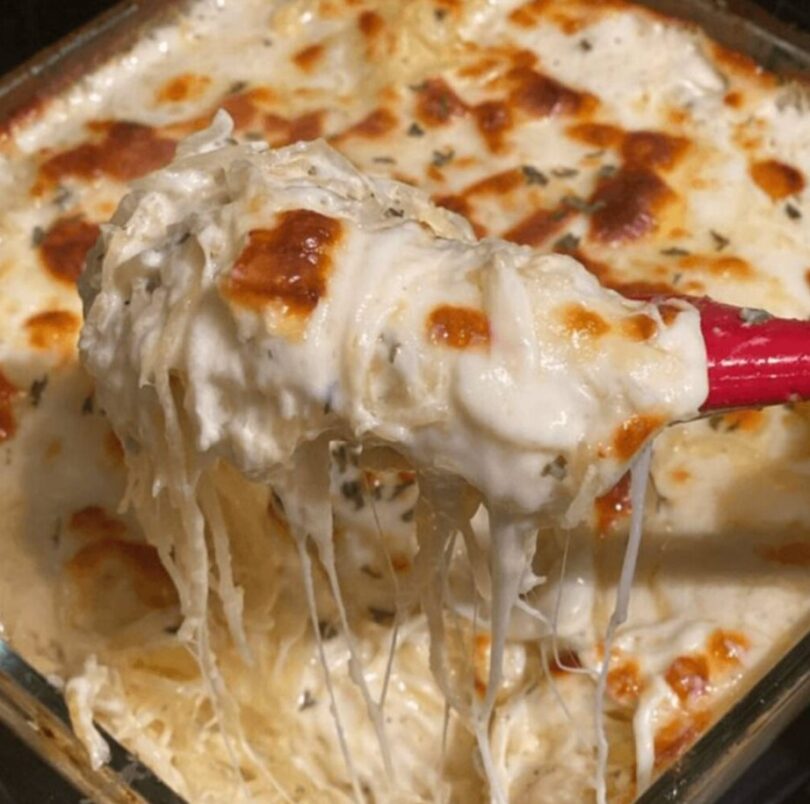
{"type": "Point", "coordinates": [254, 307]}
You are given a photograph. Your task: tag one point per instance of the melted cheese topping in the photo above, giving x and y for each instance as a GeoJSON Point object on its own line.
{"type": "Point", "coordinates": [255, 307]}
{"type": "Point", "coordinates": [658, 160]}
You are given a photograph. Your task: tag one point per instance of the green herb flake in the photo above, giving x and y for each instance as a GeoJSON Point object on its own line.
{"type": "Point", "coordinates": [37, 389]}
{"type": "Point", "coordinates": [751, 316]}
{"type": "Point", "coordinates": [564, 172]}
{"type": "Point", "coordinates": [381, 616]}
{"type": "Point", "coordinates": [558, 468]}
{"type": "Point", "coordinates": [720, 241]}
{"type": "Point", "coordinates": [37, 236]}
{"type": "Point", "coordinates": [306, 701]}
{"type": "Point", "coordinates": [327, 630]}
{"type": "Point", "coordinates": [581, 205]}
{"type": "Point", "coordinates": [568, 242]}
{"type": "Point", "coordinates": [441, 158]}
{"type": "Point", "coordinates": [532, 175]}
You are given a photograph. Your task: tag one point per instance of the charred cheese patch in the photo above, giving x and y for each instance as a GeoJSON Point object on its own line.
{"type": "Point", "coordinates": [629, 438]}
{"type": "Point", "coordinates": [581, 322]}
{"type": "Point", "coordinates": [457, 327]}
{"type": "Point", "coordinates": [120, 150]}
{"type": "Point", "coordinates": [8, 423]}
{"type": "Point", "coordinates": [613, 506]}
{"type": "Point", "coordinates": [308, 58]}
{"type": "Point", "coordinates": [94, 523]}
{"type": "Point", "coordinates": [688, 677]}
{"type": "Point", "coordinates": [795, 554]}
{"type": "Point", "coordinates": [674, 737]}
{"type": "Point", "coordinates": [624, 681]}
{"type": "Point", "coordinates": [65, 245]}
{"type": "Point", "coordinates": [628, 205]}
{"type": "Point", "coordinates": [288, 264]}
{"type": "Point", "coordinates": [727, 648]}
{"type": "Point", "coordinates": [54, 330]}
{"type": "Point", "coordinates": [777, 179]}
{"type": "Point", "coordinates": [182, 88]}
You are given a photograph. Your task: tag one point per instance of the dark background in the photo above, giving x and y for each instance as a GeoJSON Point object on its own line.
{"type": "Point", "coordinates": [781, 776]}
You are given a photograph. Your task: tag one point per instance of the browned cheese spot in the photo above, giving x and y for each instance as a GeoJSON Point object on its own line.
{"type": "Point", "coordinates": [64, 247]}
{"type": "Point", "coordinates": [538, 226]}
{"type": "Point", "coordinates": [672, 739]}
{"type": "Point", "coordinates": [669, 312]}
{"type": "Point", "coordinates": [8, 422]}
{"type": "Point", "coordinates": [481, 654]}
{"type": "Point", "coordinates": [688, 677]}
{"type": "Point", "coordinates": [627, 205]}
{"type": "Point", "coordinates": [739, 63]}
{"type": "Point", "coordinates": [680, 475]}
{"type": "Point", "coordinates": [288, 264]}
{"type": "Point", "coordinates": [607, 277]}
{"type": "Point", "coordinates": [724, 267]}
{"type": "Point", "coordinates": [613, 506]}
{"type": "Point", "coordinates": [126, 151]}
{"type": "Point", "coordinates": [370, 23]}
{"type": "Point", "coordinates": [581, 322]}
{"type": "Point", "coordinates": [457, 327]}
{"type": "Point", "coordinates": [796, 554]}
{"type": "Point", "coordinates": [777, 179]}
{"type": "Point", "coordinates": [631, 434]}
{"type": "Point", "coordinates": [527, 15]}
{"type": "Point", "coordinates": [183, 87]}
{"type": "Point", "coordinates": [494, 121]}
{"type": "Point", "coordinates": [749, 421]}
{"type": "Point", "coordinates": [653, 149]}
{"type": "Point", "coordinates": [565, 661]}
{"type": "Point", "coordinates": [437, 103]}
{"type": "Point", "coordinates": [374, 125]}
{"type": "Point", "coordinates": [53, 329]}
{"type": "Point", "coordinates": [541, 96]}
{"type": "Point", "coordinates": [624, 682]}
{"type": "Point", "coordinates": [727, 648]}
{"type": "Point", "coordinates": [307, 58]}
{"type": "Point", "coordinates": [283, 131]}
{"type": "Point", "coordinates": [599, 135]}
{"type": "Point", "coordinates": [140, 563]}
{"type": "Point", "coordinates": [93, 522]}
{"type": "Point", "coordinates": [496, 184]}
{"type": "Point", "coordinates": [639, 327]}
{"type": "Point", "coordinates": [244, 107]}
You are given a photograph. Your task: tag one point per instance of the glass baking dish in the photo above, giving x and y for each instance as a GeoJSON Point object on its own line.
{"type": "Point", "coordinates": [35, 711]}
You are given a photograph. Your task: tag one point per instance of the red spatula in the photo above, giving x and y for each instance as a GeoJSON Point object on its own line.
{"type": "Point", "coordinates": [754, 359]}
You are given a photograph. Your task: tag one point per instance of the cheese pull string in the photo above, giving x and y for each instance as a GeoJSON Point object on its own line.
{"type": "Point", "coordinates": [753, 358]}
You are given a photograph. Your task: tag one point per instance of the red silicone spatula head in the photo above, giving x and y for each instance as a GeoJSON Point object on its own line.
{"type": "Point", "coordinates": [754, 359]}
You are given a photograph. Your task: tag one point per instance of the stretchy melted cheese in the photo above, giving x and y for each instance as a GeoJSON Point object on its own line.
{"type": "Point", "coordinates": [255, 307]}
{"type": "Point", "coordinates": [661, 162]}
